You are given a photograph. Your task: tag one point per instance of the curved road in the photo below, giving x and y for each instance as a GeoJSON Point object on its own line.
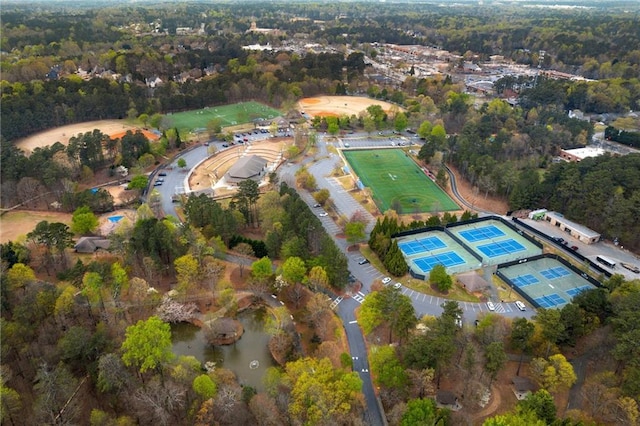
{"type": "Point", "coordinates": [321, 166]}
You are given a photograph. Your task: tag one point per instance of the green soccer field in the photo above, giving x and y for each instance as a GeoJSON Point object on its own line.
{"type": "Point", "coordinates": [229, 115]}
{"type": "Point", "coordinates": [397, 182]}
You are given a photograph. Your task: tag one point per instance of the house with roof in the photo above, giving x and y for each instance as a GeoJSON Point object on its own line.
{"type": "Point", "coordinates": [91, 244]}
{"type": "Point", "coordinates": [522, 387]}
{"type": "Point", "coordinates": [447, 399]}
{"type": "Point", "coordinates": [247, 167]}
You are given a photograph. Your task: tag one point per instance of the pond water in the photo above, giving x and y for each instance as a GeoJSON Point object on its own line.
{"type": "Point", "coordinates": [239, 357]}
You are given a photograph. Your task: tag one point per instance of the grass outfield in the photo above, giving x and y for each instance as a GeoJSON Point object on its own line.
{"type": "Point", "coordinates": [229, 115]}
{"type": "Point", "coordinates": [397, 182]}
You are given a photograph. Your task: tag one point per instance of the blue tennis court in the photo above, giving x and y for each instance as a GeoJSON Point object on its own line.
{"type": "Point", "coordinates": [574, 291]}
{"type": "Point", "coordinates": [500, 248]}
{"type": "Point", "coordinates": [483, 233]}
{"type": "Point", "coordinates": [447, 259]}
{"type": "Point", "coordinates": [525, 280]}
{"type": "Point", "coordinates": [550, 300]}
{"type": "Point", "coordinates": [421, 245]}
{"type": "Point", "coordinates": [554, 273]}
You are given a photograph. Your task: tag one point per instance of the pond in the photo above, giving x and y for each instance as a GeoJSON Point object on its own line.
{"type": "Point", "coordinates": [239, 357]}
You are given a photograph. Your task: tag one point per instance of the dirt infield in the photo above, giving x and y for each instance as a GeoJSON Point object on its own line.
{"type": "Point", "coordinates": [336, 106]}
{"type": "Point", "coordinates": [64, 133]}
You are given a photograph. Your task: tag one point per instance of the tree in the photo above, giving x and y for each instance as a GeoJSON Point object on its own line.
{"type": "Point", "coordinates": [187, 272]}
{"type": "Point", "coordinates": [554, 373]}
{"type": "Point", "coordinates": [386, 368]}
{"type": "Point", "coordinates": [83, 221]}
{"type": "Point", "coordinates": [521, 334]}
{"type": "Point", "coordinates": [113, 376]}
{"type": "Point", "coordinates": [320, 393]}
{"type": "Point", "coordinates": [321, 196]}
{"type": "Point", "coordinates": [138, 182]}
{"type": "Point", "coordinates": [394, 260]}
{"type": "Point", "coordinates": [400, 122]}
{"type": "Point", "coordinates": [182, 163]}
{"type": "Point", "coordinates": [262, 269]}
{"type": "Point", "coordinates": [439, 276]}
{"type": "Point", "coordinates": [371, 312]}
{"type": "Point", "coordinates": [19, 275]}
{"type": "Point", "coordinates": [423, 411]}
{"type": "Point", "coordinates": [540, 403]}
{"type": "Point", "coordinates": [147, 345]}
{"type": "Point", "coordinates": [246, 198]}
{"type": "Point", "coordinates": [515, 419]}
{"type": "Point", "coordinates": [317, 278]}
{"type": "Point", "coordinates": [55, 389]}
{"type": "Point", "coordinates": [495, 357]}
{"type": "Point", "coordinates": [354, 231]}
{"type": "Point", "coordinates": [204, 386]}
{"type": "Point", "coordinates": [293, 270]}
{"type": "Point", "coordinates": [552, 327]}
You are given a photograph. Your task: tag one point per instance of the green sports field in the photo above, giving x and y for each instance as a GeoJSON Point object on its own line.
{"type": "Point", "coordinates": [229, 115]}
{"type": "Point", "coordinates": [397, 182]}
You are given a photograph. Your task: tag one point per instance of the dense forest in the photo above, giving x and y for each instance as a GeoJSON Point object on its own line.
{"type": "Point", "coordinates": [87, 339]}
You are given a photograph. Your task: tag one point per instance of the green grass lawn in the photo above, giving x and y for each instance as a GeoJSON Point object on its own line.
{"type": "Point", "coordinates": [229, 115]}
{"type": "Point", "coordinates": [397, 182]}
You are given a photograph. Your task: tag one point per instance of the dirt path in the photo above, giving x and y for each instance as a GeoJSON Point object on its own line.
{"type": "Point", "coordinates": [467, 191]}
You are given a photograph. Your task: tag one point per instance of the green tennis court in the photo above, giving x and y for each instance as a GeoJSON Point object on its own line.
{"type": "Point", "coordinates": [397, 182]}
{"type": "Point", "coordinates": [229, 115]}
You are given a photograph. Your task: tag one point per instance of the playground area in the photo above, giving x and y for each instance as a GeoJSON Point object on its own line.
{"type": "Point", "coordinates": [546, 282]}
{"type": "Point", "coordinates": [397, 182]}
{"type": "Point", "coordinates": [336, 106]}
{"type": "Point", "coordinates": [229, 115]}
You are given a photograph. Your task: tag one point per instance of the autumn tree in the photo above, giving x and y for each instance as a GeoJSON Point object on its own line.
{"type": "Point", "coordinates": [553, 373]}
{"type": "Point", "coordinates": [321, 393]}
{"type": "Point", "coordinates": [187, 272]}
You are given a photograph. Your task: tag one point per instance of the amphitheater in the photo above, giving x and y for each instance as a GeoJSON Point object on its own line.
{"type": "Point", "coordinates": [210, 173]}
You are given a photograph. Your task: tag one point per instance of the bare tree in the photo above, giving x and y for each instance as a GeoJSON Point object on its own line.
{"type": "Point", "coordinates": [164, 404]}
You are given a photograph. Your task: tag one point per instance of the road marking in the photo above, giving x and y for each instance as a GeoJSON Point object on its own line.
{"type": "Point", "coordinates": [431, 299]}
{"type": "Point", "coordinates": [361, 293]}
{"type": "Point", "coordinates": [353, 322]}
{"type": "Point", "coordinates": [424, 296]}
{"type": "Point", "coordinates": [412, 292]}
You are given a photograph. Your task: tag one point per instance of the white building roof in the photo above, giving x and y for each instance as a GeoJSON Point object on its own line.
{"type": "Point", "coordinates": [583, 153]}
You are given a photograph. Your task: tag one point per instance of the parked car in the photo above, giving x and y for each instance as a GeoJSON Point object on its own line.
{"type": "Point", "coordinates": [363, 260]}
{"type": "Point", "coordinates": [162, 174]}
{"type": "Point", "coordinates": [520, 305]}
{"type": "Point", "coordinates": [459, 321]}
{"type": "Point", "coordinates": [317, 205]}
{"type": "Point", "coordinates": [323, 214]}
{"type": "Point", "coordinates": [157, 183]}
{"type": "Point", "coordinates": [574, 248]}
{"type": "Point", "coordinates": [491, 306]}
{"type": "Point", "coordinates": [225, 145]}
{"type": "Point", "coordinates": [386, 280]}
{"type": "Point", "coordinates": [397, 285]}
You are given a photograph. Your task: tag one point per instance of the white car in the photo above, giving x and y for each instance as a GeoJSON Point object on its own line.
{"type": "Point", "coordinates": [386, 280]}
{"type": "Point", "coordinates": [491, 306]}
{"type": "Point", "coordinates": [458, 321]}
{"type": "Point", "coordinates": [397, 285]}
{"type": "Point", "coordinates": [520, 305]}
{"type": "Point", "coordinates": [323, 214]}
